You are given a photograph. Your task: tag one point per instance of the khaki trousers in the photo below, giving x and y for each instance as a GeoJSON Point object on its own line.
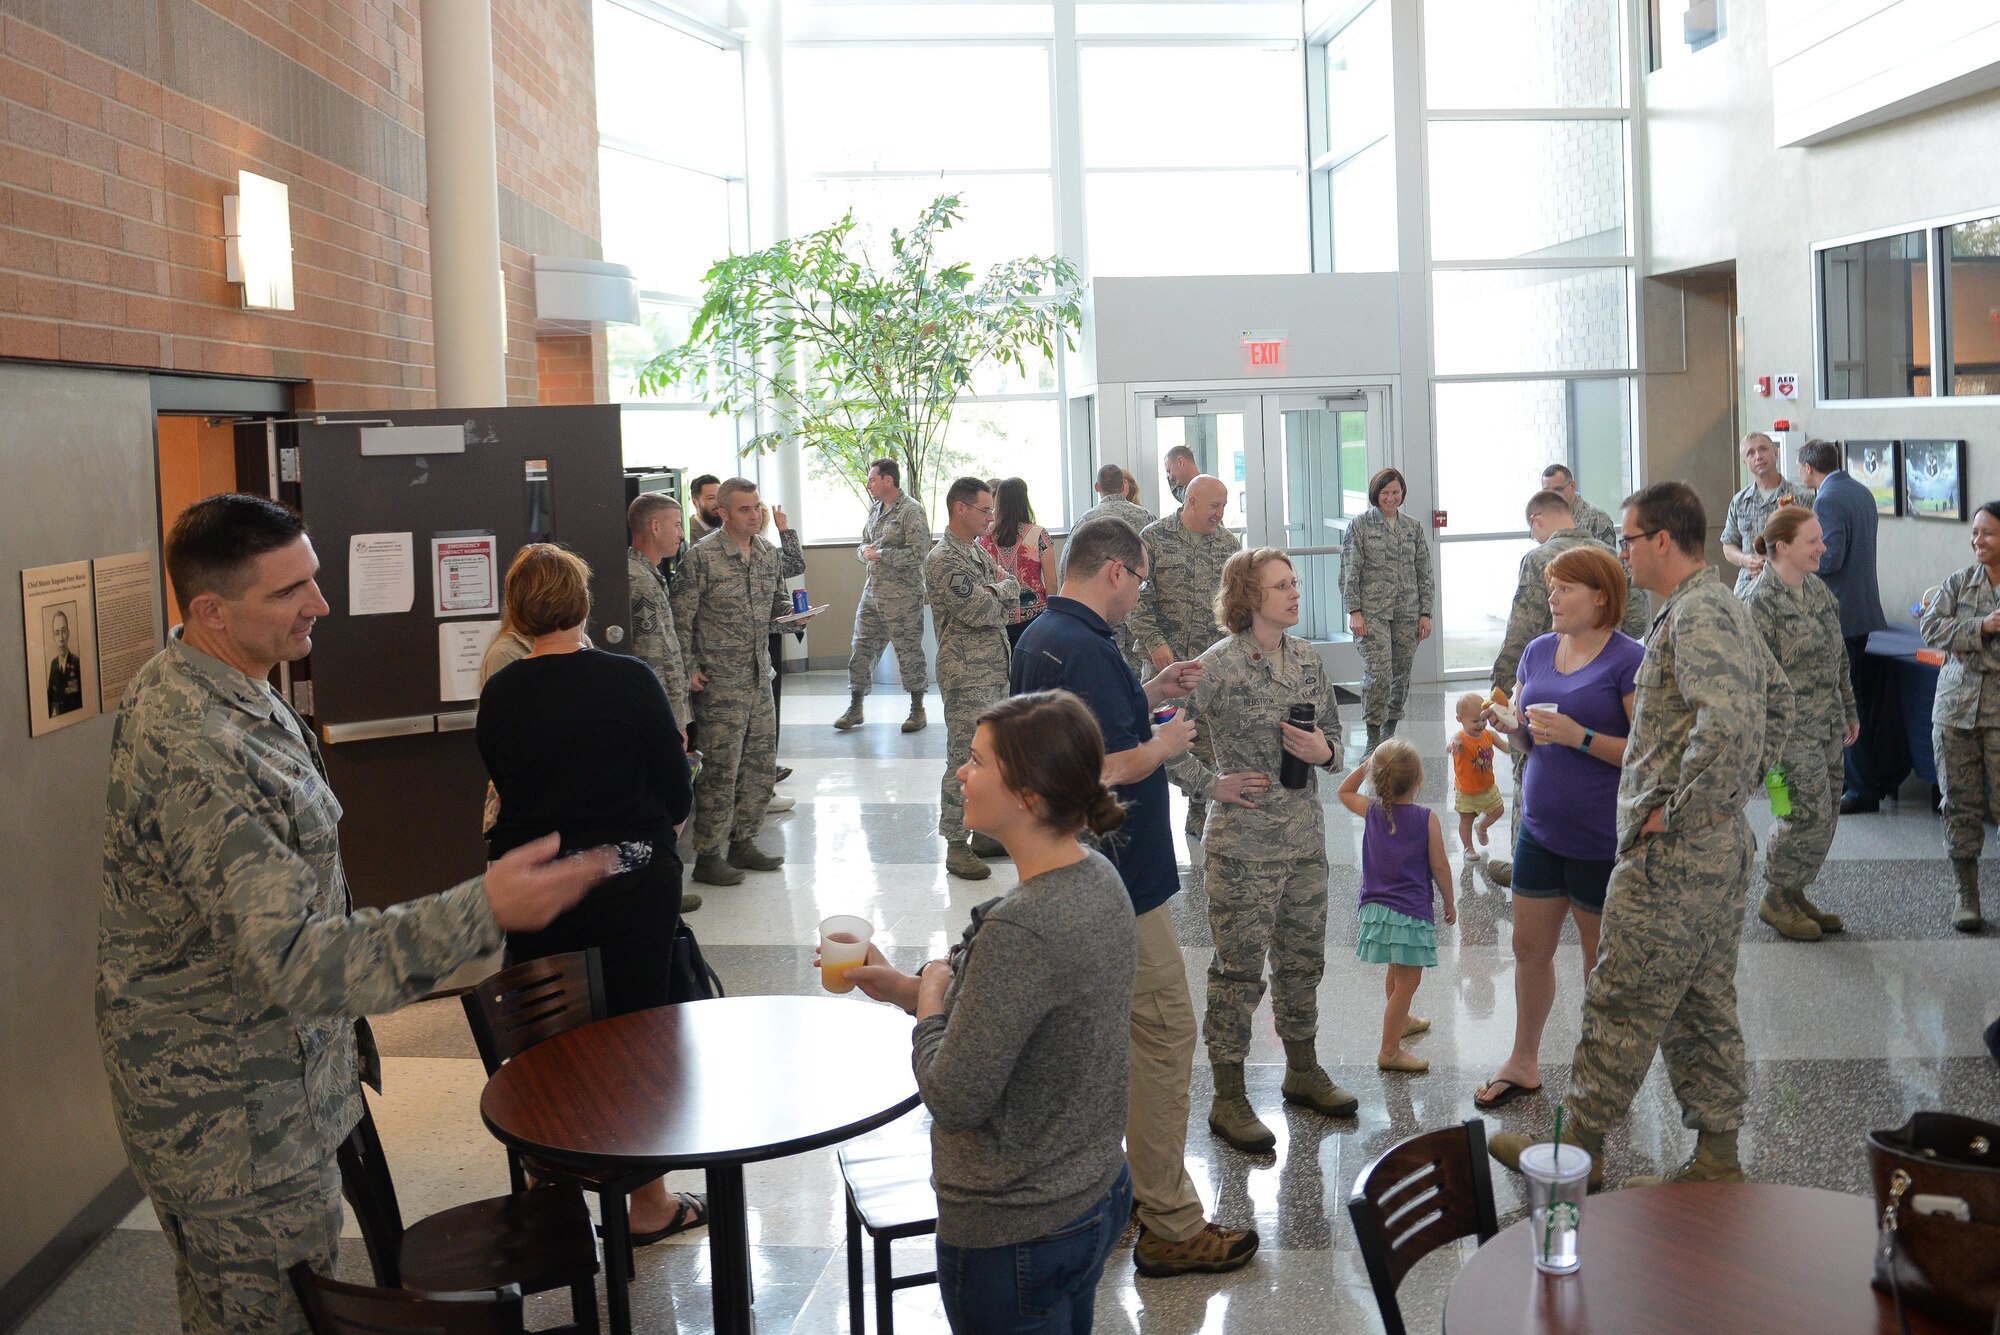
{"type": "Point", "coordinates": [1156, 1118]}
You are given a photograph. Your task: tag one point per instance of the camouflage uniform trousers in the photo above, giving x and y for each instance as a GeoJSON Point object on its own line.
{"type": "Point", "coordinates": [739, 763]}
{"type": "Point", "coordinates": [230, 1256]}
{"type": "Point", "coordinates": [1666, 981]}
{"type": "Point", "coordinates": [1387, 651]}
{"type": "Point", "coordinates": [1968, 770]}
{"type": "Point", "coordinates": [967, 695]}
{"type": "Point", "coordinates": [1798, 843]}
{"type": "Point", "coordinates": [878, 623]}
{"type": "Point", "coordinates": [1260, 910]}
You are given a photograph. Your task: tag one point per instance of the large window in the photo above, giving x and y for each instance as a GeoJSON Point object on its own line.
{"type": "Point", "coordinates": [1909, 314]}
{"type": "Point", "coordinates": [1353, 150]}
{"type": "Point", "coordinates": [1973, 304]}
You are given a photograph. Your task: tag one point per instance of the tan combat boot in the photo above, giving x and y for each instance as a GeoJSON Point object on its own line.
{"type": "Point", "coordinates": [1506, 1150]}
{"type": "Point", "coordinates": [852, 718]}
{"type": "Point", "coordinates": [1231, 1116]}
{"type": "Point", "coordinates": [1828, 922]}
{"type": "Point", "coordinates": [1714, 1160]}
{"type": "Point", "coordinates": [916, 721]}
{"type": "Point", "coordinates": [962, 862]}
{"type": "Point", "coordinates": [1309, 1086]}
{"type": "Point", "coordinates": [1777, 909]}
{"type": "Point", "coordinates": [1966, 916]}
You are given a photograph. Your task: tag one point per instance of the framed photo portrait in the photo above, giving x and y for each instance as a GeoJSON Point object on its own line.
{"type": "Point", "coordinates": [1934, 479]}
{"type": "Point", "coordinates": [1877, 465]}
{"type": "Point", "coordinates": [59, 631]}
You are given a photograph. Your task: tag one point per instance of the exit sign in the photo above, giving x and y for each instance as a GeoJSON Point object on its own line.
{"type": "Point", "coordinates": [1264, 349]}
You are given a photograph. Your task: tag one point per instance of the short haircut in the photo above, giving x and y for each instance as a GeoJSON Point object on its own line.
{"type": "Point", "coordinates": [1242, 587]}
{"type": "Point", "coordinates": [216, 541]}
{"type": "Point", "coordinates": [548, 589]}
{"type": "Point", "coordinates": [1598, 570]}
{"type": "Point", "coordinates": [1783, 526]}
{"type": "Point", "coordinates": [1549, 500]}
{"type": "Point", "coordinates": [1383, 479]}
{"type": "Point", "coordinates": [1674, 509]}
{"type": "Point", "coordinates": [61, 616]}
{"type": "Point", "coordinates": [1110, 480]}
{"type": "Point", "coordinates": [1180, 452]}
{"type": "Point", "coordinates": [964, 491]}
{"type": "Point", "coordinates": [1822, 456]}
{"type": "Point", "coordinates": [1096, 543]}
{"type": "Point", "coordinates": [1560, 472]}
{"type": "Point", "coordinates": [731, 488]}
{"type": "Point", "coordinates": [705, 480]}
{"type": "Point", "coordinates": [888, 468]}
{"type": "Point", "coordinates": [643, 507]}
{"type": "Point", "coordinates": [1049, 744]}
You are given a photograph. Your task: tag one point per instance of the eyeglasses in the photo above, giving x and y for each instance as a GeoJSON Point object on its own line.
{"type": "Point", "coordinates": [1144, 582]}
{"type": "Point", "coordinates": [1283, 586]}
{"type": "Point", "coordinates": [1625, 540]}
{"type": "Point", "coordinates": [986, 510]}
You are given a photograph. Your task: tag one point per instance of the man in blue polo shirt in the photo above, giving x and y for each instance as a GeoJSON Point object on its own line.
{"type": "Point", "coordinates": [1070, 647]}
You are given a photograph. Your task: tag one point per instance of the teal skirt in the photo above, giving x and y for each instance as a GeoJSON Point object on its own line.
{"type": "Point", "coordinates": [1389, 937]}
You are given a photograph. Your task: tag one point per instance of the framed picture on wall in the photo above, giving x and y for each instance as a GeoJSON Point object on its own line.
{"type": "Point", "coordinates": [1875, 464]}
{"type": "Point", "coordinates": [1934, 478]}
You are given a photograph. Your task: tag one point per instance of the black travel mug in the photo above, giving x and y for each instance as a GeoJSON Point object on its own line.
{"type": "Point", "coordinates": [1292, 770]}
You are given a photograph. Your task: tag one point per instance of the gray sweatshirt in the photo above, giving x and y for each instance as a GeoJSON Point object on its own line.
{"type": "Point", "coordinates": [1025, 1071]}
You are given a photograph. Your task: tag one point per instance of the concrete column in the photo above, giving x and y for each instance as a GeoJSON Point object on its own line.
{"type": "Point", "coordinates": [468, 307]}
{"type": "Point", "coordinates": [769, 189]}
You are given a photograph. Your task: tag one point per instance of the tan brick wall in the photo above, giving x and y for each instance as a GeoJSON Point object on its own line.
{"type": "Point", "coordinates": [570, 369]}
{"type": "Point", "coordinates": [123, 125]}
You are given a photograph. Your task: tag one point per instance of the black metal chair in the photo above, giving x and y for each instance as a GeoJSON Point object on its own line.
{"type": "Point", "coordinates": [536, 1240]}
{"type": "Point", "coordinates": [889, 1195]}
{"type": "Point", "coordinates": [1416, 1197]}
{"type": "Point", "coordinates": [517, 1008]}
{"type": "Point", "coordinates": [333, 1308]}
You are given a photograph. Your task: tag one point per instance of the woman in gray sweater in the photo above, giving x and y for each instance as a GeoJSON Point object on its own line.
{"type": "Point", "coordinates": [1021, 1043]}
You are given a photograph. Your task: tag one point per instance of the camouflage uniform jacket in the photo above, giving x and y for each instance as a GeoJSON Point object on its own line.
{"type": "Point", "coordinates": [230, 969]}
{"type": "Point", "coordinates": [901, 537]}
{"type": "Point", "coordinates": [654, 641]}
{"type": "Point", "coordinates": [1530, 615]}
{"type": "Point", "coordinates": [1710, 716]}
{"type": "Point", "coordinates": [1138, 516]}
{"type": "Point", "coordinates": [725, 604]}
{"type": "Point", "coordinates": [1801, 628]}
{"type": "Point", "coordinates": [1244, 694]}
{"type": "Point", "coordinates": [969, 598]}
{"type": "Point", "coordinates": [1385, 566]}
{"type": "Point", "coordinates": [1177, 610]}
{"type": "Point", "coordinates": [1968, 689]}
{"type": "Point", "coordinates": [1749, 511]}
{"type": "Point", "coordinates": [1595, 524]}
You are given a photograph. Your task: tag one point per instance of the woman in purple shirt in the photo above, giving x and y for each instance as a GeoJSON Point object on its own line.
{"type": "Point", "coordinates": [1575, 711]}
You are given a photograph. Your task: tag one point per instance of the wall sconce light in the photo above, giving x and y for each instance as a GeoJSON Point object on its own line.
{"type": "Point", "coordinates": [257, 241]}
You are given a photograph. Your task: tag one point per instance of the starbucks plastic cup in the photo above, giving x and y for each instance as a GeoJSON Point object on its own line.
{"type": "Point", "coordinates": [1558, 1180]}
{"type": "Point", "coordinates": [843, 943]}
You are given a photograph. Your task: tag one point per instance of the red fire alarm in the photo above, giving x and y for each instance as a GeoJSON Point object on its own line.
{"type": "Point", "coordinates": [1781, 425]}
{"type": "Point", "coordinates": [1763, 387]}
{"type": "Point", "coordinates": [1437, 519]}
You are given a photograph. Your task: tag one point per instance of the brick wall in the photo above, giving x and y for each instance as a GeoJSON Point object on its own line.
{"type": "Point", "coordinates": [123, 125]}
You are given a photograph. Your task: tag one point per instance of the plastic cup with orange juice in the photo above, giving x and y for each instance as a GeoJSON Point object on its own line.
{"type": "Point", "coordinates": [843, 943]}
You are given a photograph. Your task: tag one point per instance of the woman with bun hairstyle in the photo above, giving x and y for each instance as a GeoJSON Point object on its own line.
{"type": "Point", "coordinates": [1800, 622]}
{"type": "Point", "coordinates": [1021, 1046]}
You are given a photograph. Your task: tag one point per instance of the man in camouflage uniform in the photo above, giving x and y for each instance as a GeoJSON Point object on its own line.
{"type": "Point", "coordinates": [1711, 713]}
{"type": "Point", "coordinates": [1264, 856]}
{"type": "Point", "coordinates": [1751, 508]}
{"type": "Point", "coordinates": [1182, 470]}
{"type": "Point", "coordinates": [1963, 619]}
{"type": "Point", "coordinates": [232, 971]}
{"type": "Point", "coordinates": [731, 584]}
{"type": "Point", "coordinates": [653, 530]}
{"type": "Point", "coordinates": [1175, 619]}
{"type": "Point", "coordinates": [969, 598]}
{"type": "Point", "coordinates": [1592, 521]}
{"type": "Point", "coordinates": [1111, 501]}
{"type": "Point", "coordinates": [894, 542]}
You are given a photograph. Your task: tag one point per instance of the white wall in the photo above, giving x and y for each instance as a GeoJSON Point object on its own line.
{"type": "Point", "coordinates": [1155, 329]}
{"type": "Point", "coordinates": [1841, 65]}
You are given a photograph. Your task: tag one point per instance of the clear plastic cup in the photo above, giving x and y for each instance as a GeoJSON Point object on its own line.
{"type": "Point", "coordinates": [1558, 1180]}
{"type": "Point", "coordinates": [843, 943]}
{"type": "Point", "coordinates": [1539, 713]}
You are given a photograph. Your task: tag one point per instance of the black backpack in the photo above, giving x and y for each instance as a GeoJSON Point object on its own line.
{"type": "Point", "coordinates": [689, 977]}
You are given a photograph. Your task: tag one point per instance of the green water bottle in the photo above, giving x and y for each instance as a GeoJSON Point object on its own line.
{"type": "Point", "coordinates": [1780, 792]}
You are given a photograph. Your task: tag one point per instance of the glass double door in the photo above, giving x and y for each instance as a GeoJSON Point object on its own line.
{"type": "Point", "coordinates": [1297, 465]}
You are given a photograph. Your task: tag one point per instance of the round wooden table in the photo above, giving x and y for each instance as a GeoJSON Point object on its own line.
{"type": "Point", "coordinates": [707, 1084]}
{"type": "Point", "coordinates": [1723, 1258]}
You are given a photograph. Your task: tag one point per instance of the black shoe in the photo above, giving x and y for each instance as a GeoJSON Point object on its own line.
{"type": "Point", "coordinates": [1854, 804]}
{"type": "Point", "coordinates": [784, 772]}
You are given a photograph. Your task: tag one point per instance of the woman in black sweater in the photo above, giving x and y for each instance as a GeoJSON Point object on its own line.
{"type": "Point", "coordinates": [583, 743]}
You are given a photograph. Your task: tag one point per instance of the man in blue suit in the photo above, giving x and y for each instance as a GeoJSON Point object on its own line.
{"type": "Point", "coordinates": [1847, 518]}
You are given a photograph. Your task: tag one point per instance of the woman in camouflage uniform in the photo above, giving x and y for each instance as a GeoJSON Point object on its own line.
{"type": "Point", "coordinates": [1264, 857]}
{"type": "Point", "coordinates": [1963, 619]}
{"type": "Point", "coordinates": [1385, 579]}
{"type": "Point", "coordinates": [1800, 621]}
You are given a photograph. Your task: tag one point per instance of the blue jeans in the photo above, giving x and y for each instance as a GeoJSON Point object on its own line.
{"type": "Point", "coordinates": [1045, 1284]}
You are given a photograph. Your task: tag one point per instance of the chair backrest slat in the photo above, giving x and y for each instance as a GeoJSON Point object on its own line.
{"type": "Point", "coordinates": [533, 1002]}
{"type": "Point", "coordinates": [1419, 1195]}
{"type": "Point", "coordinates": [333, 1308]}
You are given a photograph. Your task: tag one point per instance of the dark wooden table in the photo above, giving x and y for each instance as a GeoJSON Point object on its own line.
{"type": "Point", "coordinates": [712, 1085]}
{"type": "Point", "coordinates": [1723, 1258]}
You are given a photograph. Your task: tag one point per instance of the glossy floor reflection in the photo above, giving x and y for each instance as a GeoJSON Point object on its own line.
{"type": "Point", "coordinates": [1843, 1036]}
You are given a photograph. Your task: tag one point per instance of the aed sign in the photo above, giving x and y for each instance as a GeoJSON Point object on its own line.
{"type": "Point", "coordinates": [1788, 386]}
{"type": "Point", "coordinates": [1264, 349]}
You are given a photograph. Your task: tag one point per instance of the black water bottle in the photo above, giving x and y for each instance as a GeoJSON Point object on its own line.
{"type": "Point", "coordinates": [1292, 771]}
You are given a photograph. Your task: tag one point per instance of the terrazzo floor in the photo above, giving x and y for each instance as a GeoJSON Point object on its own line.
{"type": "Point", "coordinates": [1843, 1036]}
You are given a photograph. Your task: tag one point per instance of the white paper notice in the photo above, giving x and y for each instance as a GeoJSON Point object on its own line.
{"type": "Point", "coordinates": [462, 576]}
{"type": "Point", "coordinates": [461, 646]}
{"type": "Point", "coordinates": [127, 634]}
{"type": "Point", "coordinates": [381, 574]}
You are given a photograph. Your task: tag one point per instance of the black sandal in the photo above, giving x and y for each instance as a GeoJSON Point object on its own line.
{"type": "Point", "coordinates": [692, 1214]}
{"type": "Point", "coordinates": [1505, 1096]}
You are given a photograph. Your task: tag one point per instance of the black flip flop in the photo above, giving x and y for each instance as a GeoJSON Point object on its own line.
{"type": "Point", "coordinates": [692, 1214]}
{"type": "Point", "coordinates": [1506, 1096]}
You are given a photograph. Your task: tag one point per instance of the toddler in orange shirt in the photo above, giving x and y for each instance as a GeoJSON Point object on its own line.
{"type": "Point", "coordinates": [1476, 798]}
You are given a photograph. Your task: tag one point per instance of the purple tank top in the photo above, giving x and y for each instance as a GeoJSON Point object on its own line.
{"type": "Point", "coordinates": [1396, 866]}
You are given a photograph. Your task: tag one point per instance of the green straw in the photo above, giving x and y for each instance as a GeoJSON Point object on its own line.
{"type": "Point", "coordinates": [1549, 1212]}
